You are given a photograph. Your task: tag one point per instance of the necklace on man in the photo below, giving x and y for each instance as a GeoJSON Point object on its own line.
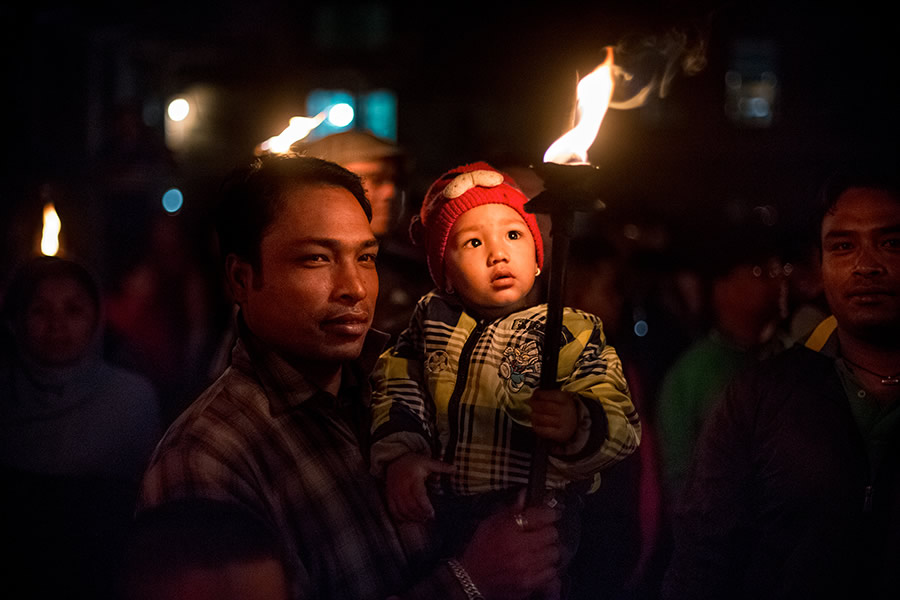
{"type": "Point", "coordinates": [885, 379]}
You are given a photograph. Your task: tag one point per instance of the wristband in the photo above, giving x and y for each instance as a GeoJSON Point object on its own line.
{"type": "Point", "coordinates": [465, 581]}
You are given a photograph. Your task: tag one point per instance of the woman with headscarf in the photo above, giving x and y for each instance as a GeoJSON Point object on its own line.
{"type": "Point", "coordinates": [75, 434]}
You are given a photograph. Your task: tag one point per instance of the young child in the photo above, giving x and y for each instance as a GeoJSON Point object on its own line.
{"type": "Point", "coordinates": [456, 402]}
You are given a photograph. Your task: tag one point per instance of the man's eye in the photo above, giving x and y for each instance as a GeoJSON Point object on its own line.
{"type": "Point", "coordinates": [892, 243]}
{"type": "Point", "coordinates": [314, 258]}
{"type": "Point", "coordinates": [838, 246]}
{"type": "Point", "coordinates": [368, 258]}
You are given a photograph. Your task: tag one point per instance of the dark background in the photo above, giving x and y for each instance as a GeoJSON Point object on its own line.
{"type": "Point", "coordinates": [474, 80]}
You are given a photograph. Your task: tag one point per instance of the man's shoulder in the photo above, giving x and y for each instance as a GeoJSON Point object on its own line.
{"type": "Point", "coordinates": [797, 356]}
{"type": "Point", "coordinates": [795, 368]}
{"type": "Point", "coordinates": [203, 452]}
{"type": "Point", "coordinates": [228, 401]}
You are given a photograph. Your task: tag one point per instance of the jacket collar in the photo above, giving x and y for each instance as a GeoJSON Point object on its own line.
{"type": "Point", "coordinates": [824, 339]}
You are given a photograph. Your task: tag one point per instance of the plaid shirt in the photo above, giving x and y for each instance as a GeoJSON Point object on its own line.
{"type": "Point", "coordinates": [264, 438]}
{"type": "Point", "coordinates": [458, 388]}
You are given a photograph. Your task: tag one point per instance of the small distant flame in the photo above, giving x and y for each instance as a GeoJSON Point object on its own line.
{"type": "Point", "coordinates": [297, 129]}
{"type": "Point", "coordinates": [594, 93]}
{"type": "Point", "coordinates": [50, 231]}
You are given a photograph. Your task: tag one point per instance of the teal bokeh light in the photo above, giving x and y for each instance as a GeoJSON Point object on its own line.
{"type": "Point", "coordinates": [172, 201]}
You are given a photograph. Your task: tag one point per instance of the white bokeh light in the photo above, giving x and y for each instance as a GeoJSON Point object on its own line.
{"type": "Point", "coordinates": [178, 110]}
{"type": "Point", "coordinates": [340, 115]}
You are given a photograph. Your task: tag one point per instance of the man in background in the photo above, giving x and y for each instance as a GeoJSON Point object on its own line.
{"type": "Point", "coordinates": [794, 490]}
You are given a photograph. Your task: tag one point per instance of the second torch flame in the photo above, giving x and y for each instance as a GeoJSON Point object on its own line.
{"type": "Point", "coordinates": [297, 129]}
{"type": "Point", "coordinates": [594, 93]}
{"type": "Point", "coordinates": [50, 232]}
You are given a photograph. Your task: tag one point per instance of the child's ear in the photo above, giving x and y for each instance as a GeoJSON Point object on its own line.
{"type": "Point", "coordinates": [239, 274]}
{"type": "Point", "coordinates": [417, 231]}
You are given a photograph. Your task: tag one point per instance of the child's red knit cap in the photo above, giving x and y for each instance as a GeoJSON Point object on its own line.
{"type": "Point", "coordinates": [457, 191]}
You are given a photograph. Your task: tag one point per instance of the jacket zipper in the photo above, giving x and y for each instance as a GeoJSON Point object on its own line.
{"type": "Point", "coordinates": [867, 502]}
{"type": "Point", "coordinates": [462, 376]}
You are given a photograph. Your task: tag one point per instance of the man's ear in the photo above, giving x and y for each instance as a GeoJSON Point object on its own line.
{"type": "Point", "coordinates": [239, 274]}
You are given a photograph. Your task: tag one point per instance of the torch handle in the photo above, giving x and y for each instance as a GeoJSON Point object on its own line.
{"type": "Point", "coordinates": [561, 233]}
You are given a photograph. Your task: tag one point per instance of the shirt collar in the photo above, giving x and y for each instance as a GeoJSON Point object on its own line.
{"type": "Point", "coordinates": [286, 387]}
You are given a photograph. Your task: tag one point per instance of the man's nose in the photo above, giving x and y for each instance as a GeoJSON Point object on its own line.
{"type": "Point", "coordinates": [868, 263]}
{"type": "Point", "coordinates": [350, 283]}
{"type": "Point", "coordinates": [57, 320]}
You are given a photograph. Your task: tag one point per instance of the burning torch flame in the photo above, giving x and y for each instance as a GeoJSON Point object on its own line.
{"type": "Point", "coordinates": [50, 232]}
{"type": "Point", "coordinates": [297, 129]}
{"type": "Point", "coordinates": [594, 93]}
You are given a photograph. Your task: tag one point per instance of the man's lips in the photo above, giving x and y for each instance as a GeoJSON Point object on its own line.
{"type": "Point", "coordinates": [350, 324]}
{"type": "Point", "coordinates": [870, 294]}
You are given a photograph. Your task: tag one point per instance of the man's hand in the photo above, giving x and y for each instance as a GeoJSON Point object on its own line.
{"type": "Point", "coordinates": [405, 478]}
{"type": "Point", "coordinates": [510, 558]}
{"type": "Point", "coordinates": [554, 415]}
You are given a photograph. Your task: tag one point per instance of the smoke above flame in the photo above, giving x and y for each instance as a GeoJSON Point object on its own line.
{"type": "Point", "coordinates": [634, 71]}
{"type": "Point", "coordinates": [647, 65]}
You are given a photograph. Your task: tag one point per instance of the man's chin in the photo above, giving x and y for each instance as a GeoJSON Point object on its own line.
{"type": "Point", "coordinates": [882, 333]}
{"type": "Point", "coordinates": [326, 350]}
{"type": "Point", "coordinates": [342, 349]}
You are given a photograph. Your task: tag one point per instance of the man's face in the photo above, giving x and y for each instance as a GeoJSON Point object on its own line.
{"type": "Point", "coordinates": [314, 295]}
{"type": "Point", "coordinates": [861, 263]}
{"type": "Point", "coordinates": [379, 180]}
{"type": "Point", "coordinates": [490, 260]}
{"type": "Point", "coordinates": [752, 289]}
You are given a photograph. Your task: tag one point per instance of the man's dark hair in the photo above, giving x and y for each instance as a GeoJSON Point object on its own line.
{"type": "Point", "coordinates": [252, 195]}
{"type": "Point", "coordinates": [872, 175]}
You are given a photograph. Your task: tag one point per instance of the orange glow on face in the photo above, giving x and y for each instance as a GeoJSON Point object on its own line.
{"type": "Point", "coordinates": [594, 93]}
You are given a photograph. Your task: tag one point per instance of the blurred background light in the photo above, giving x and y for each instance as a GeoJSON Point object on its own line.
{"type": "Point", "coordinates": [641, 328]}
{"type": "Point", "coordinates": [751, 83]}
{"type": "Point", "coordinates": [340, 115]}
{"type": "Point", "coordinates": [379, 113]}
{"type": "Point", "coordinates": [179, 109]}
{"type": "Point", "coordinates": [325, 100]}
{"type": "Point", "coordinates": [372, 110]}
{"type": "Point", "coordinates": [172, 201]}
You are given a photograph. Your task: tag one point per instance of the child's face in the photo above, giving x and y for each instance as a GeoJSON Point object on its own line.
{"type": "Point", "coordinates": [490, 260]}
